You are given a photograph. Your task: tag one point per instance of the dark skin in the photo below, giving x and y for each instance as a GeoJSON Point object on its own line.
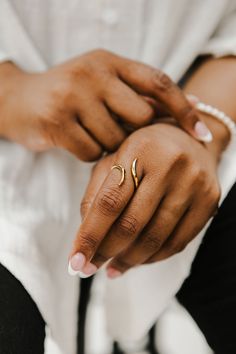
{"type": "Point", "coordinates": [84, 104]}
{"type": "Point", "coordinates": [159, 219]}
{"type": "Point", "coordinates": [57, 108]}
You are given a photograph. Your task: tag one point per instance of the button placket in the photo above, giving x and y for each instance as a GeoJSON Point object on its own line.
{"type": "Point", "coordinates": [109, 13]}
{"type": "Point", "coordinates": [110, 16]}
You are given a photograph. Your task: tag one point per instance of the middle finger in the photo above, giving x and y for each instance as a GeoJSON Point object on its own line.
{"type": "Point", "coordinates": [166, 217]}
{"type": "Point", "coordinates": [132, 221]}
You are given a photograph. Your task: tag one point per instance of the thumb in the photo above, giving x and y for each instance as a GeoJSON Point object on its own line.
{"type": "Point", "coordinates": [151, 82]}
{"type": "Point", "coordinates": [200, 127]}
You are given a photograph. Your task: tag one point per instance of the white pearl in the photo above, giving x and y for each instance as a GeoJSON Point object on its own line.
{"type": "Point", "coordinates": [209, 109]}
{"type": "Point", "coordinates": [221, 116]}
{"type": "Point", "coordinates": [214, 111]}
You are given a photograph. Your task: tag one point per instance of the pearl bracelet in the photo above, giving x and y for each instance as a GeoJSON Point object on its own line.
{"type": "Point", "coordinates": [219, 115]}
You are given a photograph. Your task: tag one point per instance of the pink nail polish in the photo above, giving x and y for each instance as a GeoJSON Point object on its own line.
{"type": "Point", "coordinates": [76, 263]}
{"type": "Point", "coordinates": [202, 132]}
{"type": "Point", "coordinates": [113, 273]}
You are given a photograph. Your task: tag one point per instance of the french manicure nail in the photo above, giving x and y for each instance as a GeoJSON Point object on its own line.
{"type": "Point", "coordinates": [76, 263]}
{"type": "Point", "coordinates": [89, 269]}
{"type": "Point", "coordinates": [202, 132]}
{"type": "Point", "coordinates": [83, 276]}
{"type": "Point", "coordinates": [113, 273]}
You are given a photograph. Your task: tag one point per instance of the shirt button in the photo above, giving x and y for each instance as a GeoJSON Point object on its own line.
{"type": "Point", "coordinates": [110, 17]}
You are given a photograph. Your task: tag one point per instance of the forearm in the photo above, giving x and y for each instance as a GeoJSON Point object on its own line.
{"type": "Point", "coordinates": [214, 82]}
{"type": "Point", "coordinates": [9, 76]}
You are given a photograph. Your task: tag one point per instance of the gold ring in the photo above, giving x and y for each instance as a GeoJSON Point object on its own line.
{"type": "Point", "coordinates": [134, 173]}
{"type": "Point", "coordinates": [122, 170]}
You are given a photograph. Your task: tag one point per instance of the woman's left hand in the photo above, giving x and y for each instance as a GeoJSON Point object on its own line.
{"type": "Point", "coordinates": [178, 193]}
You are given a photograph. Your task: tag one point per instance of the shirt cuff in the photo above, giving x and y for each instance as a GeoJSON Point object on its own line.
{"type": "Point", "coordinates": [4, 57]}
{"type": "Point", "coordinates": [220, 47]}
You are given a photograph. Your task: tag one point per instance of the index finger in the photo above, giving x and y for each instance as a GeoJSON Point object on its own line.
{"type": "Point", "coordinates": [107, 206]}
{"type": "Point", "coordinates": [153, 82]}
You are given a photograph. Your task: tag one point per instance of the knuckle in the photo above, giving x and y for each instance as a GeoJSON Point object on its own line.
{"type": "Point", "coordinates": [84, 206]}
{"type": "Point", "coordinates": [52, 117]}
{"type": "Point", "coordinates": [67, 92]}
{"type": "Point", "coordinates": [100, 52]}
{"type": "Point", "coordinates": [114, 145]}
{"type": "Point", "coordinates": [146, 115]}
{"type": "Point", "coordinates": [122, 264]}
{"type": "Point", "coordinates": [63, 93]}
{"type": "Point", "coordinates": [83, 69]}
{"type": "Point", "coordinates": [161, 81]}
{"type": "Point", "coordinates": [127, 226]}
{"type": "Point", "coordinates": [151, 241]}
{"type": "Point", "coordinates": [172, 212]}
{"type": "Point", "coordinates": [180, 157]}
{"type": "Point", "coordinates": [196, 174]}
{"type": "Point", "coordinates": [93, 63]}
{"type": "Point", "coordinates": [110, 202]}
{"type": "Point", "coordinates": [90, 154]}
{"type": "Point", "coordinates": [188, 113]}
{"type": "Point", "coordinates": [177, 158]}
{"type": "Point", "coordinates": [99, 258]}
{"type": "Point", "coordinates": [175, 247]}
{"type": "Point", "coordinates": [114, 140]}
{"type": "Point", "coordinates": [88, 242]}
{"type": "Point", "coordinates": [49, 131]}
{"type": "Point", "coordinates": [141, 143]}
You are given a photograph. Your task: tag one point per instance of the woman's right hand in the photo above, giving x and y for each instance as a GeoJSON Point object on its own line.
{"type": "Point", "coordinates": [151, 217]}
{"type": "Point", "coordinates": [81, 105]}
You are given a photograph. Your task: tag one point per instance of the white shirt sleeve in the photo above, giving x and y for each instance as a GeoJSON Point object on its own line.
{"type": "Point", "coordinates": [4, 57]}
{"type": "Point", "coordinates": [15, 43]}
{"type": "Point", "coordinates": [223, 40]}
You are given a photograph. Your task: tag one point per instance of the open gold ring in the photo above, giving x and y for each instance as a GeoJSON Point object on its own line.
{"type": "Point", "coordinates": [122, 171]}
{"type": "Point", "coordinates": [134, 173]}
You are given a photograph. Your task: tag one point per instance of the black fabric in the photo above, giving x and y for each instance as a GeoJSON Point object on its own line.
{"type": "Point", "coordinates": [22, 328]}
{"type": "Point", "coordinates": [209, 294]}
{"type": "Point", "coordinates": [151, 346]}
{"type": "Point", "coordinates": [85, 292]}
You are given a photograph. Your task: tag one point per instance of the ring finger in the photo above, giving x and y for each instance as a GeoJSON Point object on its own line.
{"type": "Point", "coordinates": [189, 226]}
{"type": "Point", "coordinates": [164, 221]}
{"type": "Point", "coordinates": [96, 119]}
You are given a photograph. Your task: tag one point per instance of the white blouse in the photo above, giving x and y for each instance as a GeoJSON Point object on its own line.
{"type": "Point", "coordinates": [41, 193]}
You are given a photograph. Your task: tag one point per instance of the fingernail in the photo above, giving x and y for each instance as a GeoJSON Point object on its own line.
{"type": "Point", "coordinates": [76, 263]}
{"type": "Point", "coordinates": [202, 132]}
{"type": "Point", "coordinates": [89, 270]}
{"type": "Point", "coordinates": [113, 273]}
{"type": "Point", "coordinates": [193, 99]}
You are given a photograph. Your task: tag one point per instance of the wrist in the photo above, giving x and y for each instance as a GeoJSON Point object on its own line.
{"type": "Point", "coordinates": [10, 78]}
{"type": "Point", "coordinates": [221, 136]}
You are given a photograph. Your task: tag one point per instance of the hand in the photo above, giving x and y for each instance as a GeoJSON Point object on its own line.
{"type": "Point", "coordinates": [81, 105]}
{"type": "Point", "coordinates": [177, 194]}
